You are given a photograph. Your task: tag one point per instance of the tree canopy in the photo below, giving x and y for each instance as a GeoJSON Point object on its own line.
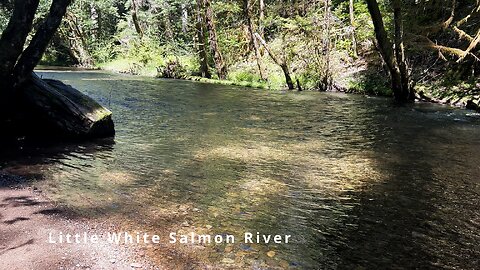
{"type": "Point", "coordinates": [304, 44]}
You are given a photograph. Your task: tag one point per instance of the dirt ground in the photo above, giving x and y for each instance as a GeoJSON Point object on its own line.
{"type": "Point", "coordinates": [27, 218]}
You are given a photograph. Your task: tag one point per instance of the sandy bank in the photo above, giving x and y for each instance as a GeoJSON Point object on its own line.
{"type": "Point", "coordinates": [27, 218]}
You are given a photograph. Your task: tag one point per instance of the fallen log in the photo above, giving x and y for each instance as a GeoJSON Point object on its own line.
{"type": "Point", "coordinates": [66, 109]}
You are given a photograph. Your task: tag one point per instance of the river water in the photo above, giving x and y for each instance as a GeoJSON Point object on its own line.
{"type": "Point", "coordinates": [358, 182]}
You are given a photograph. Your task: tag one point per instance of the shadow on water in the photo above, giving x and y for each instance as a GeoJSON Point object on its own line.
{"type": "Point", "coordinates": [421, 214]}
{"type": "Point", "coordinates": [23, 161]}
{"type": "Point", "coordinates": [26, 162]}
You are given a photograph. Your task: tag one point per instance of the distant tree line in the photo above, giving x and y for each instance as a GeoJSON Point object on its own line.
{"type": "Point", "coordinates": [303, 44]}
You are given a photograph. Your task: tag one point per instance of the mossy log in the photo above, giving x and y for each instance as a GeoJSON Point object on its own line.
{"type": "Point", "coordinates": [72, 113]}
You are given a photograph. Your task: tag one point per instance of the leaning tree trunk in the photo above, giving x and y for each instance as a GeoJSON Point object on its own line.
{"type": "Point", "coordinates": [281, 62]}
{"type": "Point", "coordinates": [14, 37]}
{"type": "Point", "coordinates": [253, 40]}
{"type": "Point", "coordinates": [217, 54]}
{"type": "Point", "coordinates": [32, 55]}
{"type": "Point", "coordinates": [74, 40]}
{"type": "Point", "coordinates": [136, 23]}
{"type": "Point", "coordinates": [50, 104]}
{"type": "Point", "coordinates": [399, 81]}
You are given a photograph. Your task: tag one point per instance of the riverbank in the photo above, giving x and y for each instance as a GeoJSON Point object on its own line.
{"type": "Point", "coordinates": [356, 79]}
{"type": "Point", "coordinates": [131, 68]}
{"type": "Point", "coordinates": [463, 95]}
{"type": "Point", "coordinates": [27, 218]}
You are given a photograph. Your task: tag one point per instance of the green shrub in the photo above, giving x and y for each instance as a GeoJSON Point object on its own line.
{"type": "Point", "coordinates": [243, 76]}
{"type": "Point", "coordinates": [172, 69]}
{"type": "Point", "coordinates": [370, 84]}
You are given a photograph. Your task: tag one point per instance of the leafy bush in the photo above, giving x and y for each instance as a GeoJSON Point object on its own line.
{"type": "Point", "coordinates": [244, 76]}
{"type": "Point", "coordinates": [172, 69]}
{"type": "Point", "coordinates": [370, 84]}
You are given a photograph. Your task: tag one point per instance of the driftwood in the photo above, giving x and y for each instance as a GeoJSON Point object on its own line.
{"type": "Point", "coordinates": [68, 110]}
{"type": "Point", "coordinates": [30, 105]}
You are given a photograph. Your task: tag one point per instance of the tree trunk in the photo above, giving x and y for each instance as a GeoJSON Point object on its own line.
{"type": "Point", "coordinates": [327, 79]}
{"type": "Point", "coordinates": [386, 50]}
{"type": "Point", "coordinates": [217, 55]}
{"type": "Point", "coordinates": [14, 37]}
{"type": "Point", "coordinates": [282, 63]}
{"type": "Point", "coordinates": [75, 42]}
{"type": "Point", "coordinates": [253, 40]}
{"type": "Point", "coordinates": [166, 20]}
{"type": "Point", "coordinates": [286, 73]}
{"type": "Point", "coordinates": [95, 19]}
{"type": "Point", "coordinates": [184, 18]}
{"type": "Point", "coordinates": [202, 53]}
{"type": "Point", "coordinates": [261, 19]}
{"type": "Point", "coordinates": [352, 25]}
{"type": "Point", "coordinates": [406, 94]}
{"type": "Point", "coordinates": [136, 23]}
{"type": "Point", "coordinates": [32, 55]}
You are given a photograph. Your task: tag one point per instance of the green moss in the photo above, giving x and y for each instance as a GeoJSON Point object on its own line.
{"type": "Point", "coordinates": [101, 114]}
{"type": "Point", "coordinates": [458, 94]}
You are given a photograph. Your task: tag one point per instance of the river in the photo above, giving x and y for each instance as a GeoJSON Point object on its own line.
{"type": "Point", "coordinates": [358, 182]}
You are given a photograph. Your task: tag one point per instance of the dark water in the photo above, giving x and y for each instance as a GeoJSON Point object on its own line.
{"type": "Point", "coordinates": [358, 182]}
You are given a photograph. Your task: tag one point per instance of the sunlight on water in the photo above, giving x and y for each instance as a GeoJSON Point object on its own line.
{"type": "Point", "coordinates": [357, 182]}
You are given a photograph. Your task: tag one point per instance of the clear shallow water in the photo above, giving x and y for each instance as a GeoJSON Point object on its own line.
{"type": "Point", "coordinates": [357, 182]}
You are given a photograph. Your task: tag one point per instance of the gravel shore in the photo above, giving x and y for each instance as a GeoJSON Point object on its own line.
{"type": "Point", "coordinates": [26, 220]}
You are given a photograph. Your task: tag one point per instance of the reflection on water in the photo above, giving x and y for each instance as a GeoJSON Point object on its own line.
{"type": "Point", "coordinates": [357, 182]}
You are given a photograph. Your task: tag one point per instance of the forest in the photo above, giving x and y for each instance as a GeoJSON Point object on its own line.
{"type": "Point", "coordinates": [239, 134]}
{"type": "Point", "coordinates": [408, 49]}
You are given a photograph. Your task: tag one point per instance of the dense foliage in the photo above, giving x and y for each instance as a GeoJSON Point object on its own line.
{"type": "Point", "coordinates": [305, 44]}
{"type": "Point", "coordinates": [153, 37]}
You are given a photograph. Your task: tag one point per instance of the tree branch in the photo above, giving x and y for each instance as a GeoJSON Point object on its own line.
{"type": "Point", "coordinates": [472, 46]}
{"type": "Point", "coordinates": [462, 34]}
{"type": "Point", "coordinates": [14, 36]}
{"type": "Point", "coordinates": [428, 43]}
{"type": "Point", "coordinates": [35, 50]}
